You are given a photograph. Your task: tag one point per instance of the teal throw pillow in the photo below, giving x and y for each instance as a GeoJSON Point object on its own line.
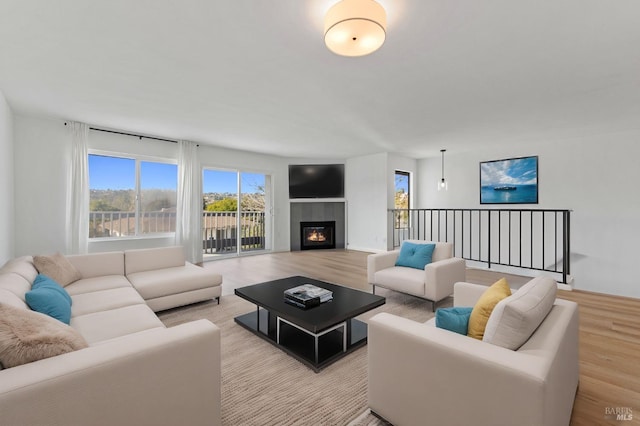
{"type": "Point", "coordinates": [414, 255]}
{"type": "Point", "coordinates": [454, 319]}
{"type": "Point", "coordinates": [43, 281]}
{"type": "Point", "coordinates": [47, 297]}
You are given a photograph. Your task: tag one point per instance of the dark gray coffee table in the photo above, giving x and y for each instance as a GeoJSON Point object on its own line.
{"type": "Point", "coordinates": [316, 336]}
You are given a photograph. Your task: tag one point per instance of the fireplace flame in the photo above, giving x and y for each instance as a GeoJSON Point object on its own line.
{"type": "Point", "coordinates": [316, 236]}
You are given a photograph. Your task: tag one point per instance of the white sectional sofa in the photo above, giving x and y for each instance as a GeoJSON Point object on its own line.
{"type": "Point", "coordinates": [135, 371]}
{"type": "Point", "coordinates": [165, 280]}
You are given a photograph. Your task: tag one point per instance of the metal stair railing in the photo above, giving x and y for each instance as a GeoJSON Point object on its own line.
{"type": "Point", "coordinates": [537, 239]}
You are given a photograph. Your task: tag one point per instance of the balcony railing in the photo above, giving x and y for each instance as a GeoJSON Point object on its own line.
{"type": "Point", "coordinates": [124, 224]}
{"type": "Point", "coordinates": [219, 229]}
{"type": "Point", "coordinates": [535, 239]}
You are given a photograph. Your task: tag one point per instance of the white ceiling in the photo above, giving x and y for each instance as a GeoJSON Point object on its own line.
{"type": "Point", "coordinates": [255, 74]}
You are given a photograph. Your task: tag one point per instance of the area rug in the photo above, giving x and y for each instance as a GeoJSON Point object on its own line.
{"type": "Point", "coordinates": [368, 419]}
{"type": "Point", "coordinates": [262, 385]}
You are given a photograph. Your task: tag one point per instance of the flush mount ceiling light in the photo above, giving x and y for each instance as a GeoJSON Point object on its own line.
{"type": "Point", "coordinates": [355, 27]}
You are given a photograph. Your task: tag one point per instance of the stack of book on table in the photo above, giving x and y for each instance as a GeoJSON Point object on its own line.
{"type": "Point", "coordinates": [307, 295]}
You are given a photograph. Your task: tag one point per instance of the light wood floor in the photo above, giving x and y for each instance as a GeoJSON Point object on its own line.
{"type": "Point", "coordinates": [609, 325]}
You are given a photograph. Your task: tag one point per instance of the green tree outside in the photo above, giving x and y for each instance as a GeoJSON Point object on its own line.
{"type": "Point", "coordinates": [224, 205]}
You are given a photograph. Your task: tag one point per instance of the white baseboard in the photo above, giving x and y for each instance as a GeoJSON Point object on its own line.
{"type": "Point", "coordinates": [366, 249]}
{"type": "Point", "coordinates": [566, 287]}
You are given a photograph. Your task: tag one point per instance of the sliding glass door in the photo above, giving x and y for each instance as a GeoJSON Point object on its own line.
{"type": "Point", "coordinates": [253, 211]}
{"type": "Point", "coordinates": [236, 212]}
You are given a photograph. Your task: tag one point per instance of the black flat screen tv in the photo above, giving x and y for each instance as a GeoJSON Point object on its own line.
{"type": "Point", "coordinates": [316, 181]}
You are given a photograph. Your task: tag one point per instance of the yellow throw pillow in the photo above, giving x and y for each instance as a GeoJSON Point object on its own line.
{"type": "Point", "coordinates": [484, 306]}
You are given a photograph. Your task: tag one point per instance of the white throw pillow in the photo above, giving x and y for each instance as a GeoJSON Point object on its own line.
{"type": "Point", "coordinates": [515, 318]}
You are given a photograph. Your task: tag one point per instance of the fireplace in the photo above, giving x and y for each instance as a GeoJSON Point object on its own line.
{"type": "Point", "coordinates": [315, 213]}
{"type": "Point", "coordinates": [317, 235]}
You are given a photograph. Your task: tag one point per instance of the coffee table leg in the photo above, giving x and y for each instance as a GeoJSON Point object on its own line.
{"type": "Point", "coordinates": [278, 331]}
{"type": "Point", "coordinates": [316, 339]}
{"type": "Point", "coordinates": [346, 336]}
{"type": "Point", "coordinates": [346, 329]}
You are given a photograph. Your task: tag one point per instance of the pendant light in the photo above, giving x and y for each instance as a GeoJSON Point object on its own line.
{"type": "Point", "coordinates": [442, 184]}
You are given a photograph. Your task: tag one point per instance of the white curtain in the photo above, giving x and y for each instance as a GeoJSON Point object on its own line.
{"type": "Point", "coordinates": [77, 214]}
{"type": "Point", "coordinates": [189, 208]}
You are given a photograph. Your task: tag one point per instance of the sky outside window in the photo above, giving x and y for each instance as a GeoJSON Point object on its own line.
{"type": "Point", "coordinates": [402, 182]}
{"type": "Point", "coordinates": [112, 172]}
{"type": "Point", "coordinates": [120, 173]}
{"type": "Point", "coordinates": [222, 181]}
{"type": "Point", "coordinates": [158, 175]}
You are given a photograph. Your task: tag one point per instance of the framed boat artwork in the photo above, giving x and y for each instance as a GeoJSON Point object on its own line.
{"type": "Point", "coordinates": [509, 181]}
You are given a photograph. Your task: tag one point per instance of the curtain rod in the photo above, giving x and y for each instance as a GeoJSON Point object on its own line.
{"type": "Point", "coordinates": [130, 134]}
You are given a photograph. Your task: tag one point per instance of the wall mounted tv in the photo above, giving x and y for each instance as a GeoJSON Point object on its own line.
{"type": "Point", "coordinates": [316, 180]}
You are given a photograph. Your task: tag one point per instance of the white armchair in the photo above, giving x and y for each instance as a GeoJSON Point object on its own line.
{"type": "Point", "coordinates": [434, 283]}
{"type": "Point", "coordinates": [420, 374]}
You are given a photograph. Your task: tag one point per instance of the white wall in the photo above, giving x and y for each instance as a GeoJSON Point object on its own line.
{"type": "Point", "coordinates": [42, 152]}
{"type": "Point", "coordinates": [41, 157]}
{"type": "Point", "coordinates": [597, 178]}
{"type": "Point", "coordinates": [370, 193]}
{"type": "Point", "coordinates": [6, 182]}
{"type": "Point", "coordinates": [366, 185]}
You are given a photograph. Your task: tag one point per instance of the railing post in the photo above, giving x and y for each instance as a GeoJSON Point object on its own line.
{"type": "Point", "coordinates": [462, 233]}
{"type": "Point", "coordinates": [471, 234]}
{"type": "Point", "coordinates": [568, 257]}
{"type": "Point", "coordinates": [555, 241]}
{"type": "Point", "coordinates": [509, 250]}
{"type": "Point", "coordinates": [446, 225]}
{"type": "Point", "coordinates": [454, 232]}
{"type": "Point", "coordinates": [499, 236]}
{"type": "Point", "coordinates": [543, 239]}
{"type": "Point", "coordinates": [565, 245]}
{"type": "Point", "coordinates": [531, 240]}
{"type": "Point", "coordinates": [488, 238]}
{"type": "Point", "coordinates": [520, 239]}
{"type": "Point", "coordinates": [431, 225]}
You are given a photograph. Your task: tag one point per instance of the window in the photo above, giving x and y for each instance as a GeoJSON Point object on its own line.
{"type": "Point", "coordinates": [402, 199]}
{"type": "Point", "coordinates": [131, 196]}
